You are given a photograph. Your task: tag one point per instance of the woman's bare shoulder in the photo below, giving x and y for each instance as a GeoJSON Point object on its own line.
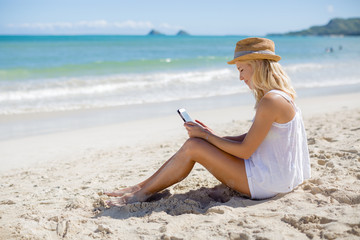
{"type": "Point", "coordinates": [270, 100]}
{"type": "Point", "coordinates": [282, 110]}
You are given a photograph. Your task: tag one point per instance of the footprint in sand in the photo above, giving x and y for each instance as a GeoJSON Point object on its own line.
{"type": "Point", "coordinates": [306, 223]}
{"type": "Point", "coordinates": [329, 139]}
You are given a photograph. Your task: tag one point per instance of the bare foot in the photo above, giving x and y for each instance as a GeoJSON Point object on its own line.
{"type": "Point", "coordinates": [116, 202]}
{"type": "Point", "coordinates": [122, 192]}
{"type": "Point", "coordinates": [121, 201]}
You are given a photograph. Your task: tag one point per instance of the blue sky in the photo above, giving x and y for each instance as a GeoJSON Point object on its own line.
{"type": "Point", "coordinates": [198, 17]}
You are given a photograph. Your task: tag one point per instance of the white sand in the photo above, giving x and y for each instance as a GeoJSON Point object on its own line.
{"type": "Point", "coordinates": [60, 195]}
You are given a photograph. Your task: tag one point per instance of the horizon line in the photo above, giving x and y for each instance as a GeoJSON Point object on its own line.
{"type": "Point", "coordinates": [140, 35]}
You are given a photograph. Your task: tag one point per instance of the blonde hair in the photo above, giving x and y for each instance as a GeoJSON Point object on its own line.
{"type": "Point", "coordinates": [269, 75]}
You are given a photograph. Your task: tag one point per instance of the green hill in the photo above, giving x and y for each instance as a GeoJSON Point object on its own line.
{"type": "Point", "coordinates": [336, 26]}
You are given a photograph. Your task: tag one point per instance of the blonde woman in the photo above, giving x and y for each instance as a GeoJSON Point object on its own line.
{"type": "Point", "coordinates": [271, 158]}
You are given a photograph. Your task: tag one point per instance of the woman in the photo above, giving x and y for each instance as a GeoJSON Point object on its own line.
{"type": "Point", "coordinates": [271, 158]}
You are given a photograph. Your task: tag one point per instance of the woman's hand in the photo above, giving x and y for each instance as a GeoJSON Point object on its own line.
{"type": "Point", "coordinates": [205, 127]}
{"type": "Point", "coordinates": [197, 129]}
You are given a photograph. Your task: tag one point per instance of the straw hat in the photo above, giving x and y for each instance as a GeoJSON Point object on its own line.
{"type": "Point", "coordinates": [254, 48]}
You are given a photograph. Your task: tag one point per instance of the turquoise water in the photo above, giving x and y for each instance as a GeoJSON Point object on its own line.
{"type": "Point", "coordinates": [58, 56]}
{"type": "Point", "coordinates": [57, 73]}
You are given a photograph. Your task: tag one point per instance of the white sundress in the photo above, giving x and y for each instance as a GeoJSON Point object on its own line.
{"type": "Point", "coordinates": [282, 160]}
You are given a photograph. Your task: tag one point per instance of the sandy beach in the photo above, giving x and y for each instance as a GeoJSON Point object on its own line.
{"type": "Point", "coordinates": [51, 184]}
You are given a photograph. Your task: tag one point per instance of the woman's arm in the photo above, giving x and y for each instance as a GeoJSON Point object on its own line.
{"type": "Point", "coordinates": [236, 138]}
{"type": "Point", "coordinates": [265, 115]}
{"type": "Point", "coordinates": [233, 138]}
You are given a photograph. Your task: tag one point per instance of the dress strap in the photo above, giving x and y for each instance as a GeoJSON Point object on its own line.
{"type": "Point", "coordinates": [284, 95]}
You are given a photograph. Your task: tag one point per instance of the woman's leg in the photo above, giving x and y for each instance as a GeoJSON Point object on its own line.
{"type": "Point", "coordinates": [135, 193]}
{"type": "Point", "coordinates": [225, 167]}
{"type": "Point", "coordinates": [122, 192]}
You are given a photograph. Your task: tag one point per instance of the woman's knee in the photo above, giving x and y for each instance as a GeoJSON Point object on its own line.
{"type": "Point", "coordinates": [194, 146]}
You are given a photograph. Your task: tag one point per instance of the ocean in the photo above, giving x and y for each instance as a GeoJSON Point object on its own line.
{"type": "Point", "coordinates": [58, 83]}
{"type": "Point", "coordinates": [61, 73]}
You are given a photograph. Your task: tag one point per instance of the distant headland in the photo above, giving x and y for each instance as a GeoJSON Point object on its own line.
{"type": "Point", "coordinates": [336, 26]}
{"type": "Point", "coordinates": [154, 32]}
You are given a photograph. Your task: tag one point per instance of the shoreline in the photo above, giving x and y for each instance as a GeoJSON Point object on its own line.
{"type": "Point", "coordinates": [68, 144]}
{"type": "Point", "coordinates": [34, 124]}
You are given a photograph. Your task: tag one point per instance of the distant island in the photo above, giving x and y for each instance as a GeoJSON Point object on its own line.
{"type": "Point", "coordinates": [182, 33]}
{"type": "Point", "coordinates": [154, 32]}
{"type": "Point", "coordinates": [336, 26]}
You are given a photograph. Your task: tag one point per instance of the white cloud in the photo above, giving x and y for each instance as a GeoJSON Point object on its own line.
{"type": "Point", "coordinates": [133, 24]}
{"type": "Point", "coordinates": [92, 24]}
{"type": "Point", "coordinates": [41, 26]}
{"type": "Point", "coordinates": [330, 8]}
{"type": "Point", "coordinates": [168, 26]}
{"type": "Point", "coordinates": [97, 24]}
{"type": "Point", "coordinates": [93, 27]}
